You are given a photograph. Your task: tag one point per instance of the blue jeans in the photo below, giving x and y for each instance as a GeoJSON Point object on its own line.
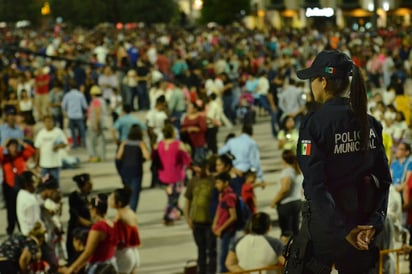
{"type": "Point", "coordinates": [199, 154]}
{"type": "Point", "coordinates": [264, 103]}
{"type": "Point", "coordinates": [228, 107]}
{"type": "Point", "coordinates": [135, 184]}
{"type": "Point", "coordinates": [223, 248]}
{"type": "Point", "coordinates": [53, 171]}
{"type": "Point", "coordinates": [77, 124]}
{"type": "Point", "coordinates": [143, 96]}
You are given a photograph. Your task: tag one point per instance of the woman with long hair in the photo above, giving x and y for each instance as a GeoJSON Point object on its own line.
{"type": "Point", "coordinates": [288, 200]}
{"type": "Point", "coordinates": [131, 154]}
{"type": "Point", "coordinates": [345, 170]}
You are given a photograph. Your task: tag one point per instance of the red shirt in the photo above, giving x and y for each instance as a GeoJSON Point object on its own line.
{"type": "Point", "coordinates": [42, 84]}
{"type": "Point", "coordinates": [248, 196]}
{"type": "Point", "coordinates": [106, 248]}
{"type": "Point", "coordinates": [128, 235]}
{"type": "Point", "coordinates": [227, 200]}
{"type": "Point", "coordinates": [16, 165]}
{"type": "Point", "coordinates": [197, 139]}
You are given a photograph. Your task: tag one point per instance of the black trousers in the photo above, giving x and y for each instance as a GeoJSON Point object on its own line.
{"type": "Point", "coordinates": [9, 267]}
{"type": "Point", "coordinates": [211, 139]}
{"type": "Point", "coordinates": [327, 249]}
{"type": "Point", "coordinates": [206, 248]}
{"type": "Point", "coordinates": [289, 217]}
{"type": "Point", "coordinates": [10, 197]}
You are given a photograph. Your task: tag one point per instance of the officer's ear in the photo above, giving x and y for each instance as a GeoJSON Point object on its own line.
{"type": "Point", "coordinates": [324, 82]}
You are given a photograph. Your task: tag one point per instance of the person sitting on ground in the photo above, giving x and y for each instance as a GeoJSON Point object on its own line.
{"type": "Point", "coordinates": [255, 249]}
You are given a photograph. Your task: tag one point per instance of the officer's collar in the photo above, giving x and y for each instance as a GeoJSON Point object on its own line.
{"type": "Point", "coordinates": [337, 101]}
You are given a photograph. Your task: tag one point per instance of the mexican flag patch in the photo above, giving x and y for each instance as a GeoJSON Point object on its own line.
{"type": "Point", "coordinates": [305, 147]}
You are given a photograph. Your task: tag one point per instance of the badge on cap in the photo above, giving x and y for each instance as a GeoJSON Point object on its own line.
{"type": "Point", "coordinates": [306, 147]}
{"type": "Point", "coordinates": [330, 70]}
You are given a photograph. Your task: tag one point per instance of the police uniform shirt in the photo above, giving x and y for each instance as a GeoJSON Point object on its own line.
{"type": "Point", "coordinates": [331, 159]}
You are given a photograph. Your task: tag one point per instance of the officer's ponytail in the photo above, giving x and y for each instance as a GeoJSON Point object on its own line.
{"type": "Point", "coordinates": [358, 99]}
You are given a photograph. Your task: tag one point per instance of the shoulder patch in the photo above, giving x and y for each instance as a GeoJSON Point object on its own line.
{"type": "Point", "coordinates": [306, 146]}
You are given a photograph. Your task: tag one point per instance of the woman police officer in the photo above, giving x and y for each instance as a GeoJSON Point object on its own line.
{"type": "Point", "coordinates": [346, 174]}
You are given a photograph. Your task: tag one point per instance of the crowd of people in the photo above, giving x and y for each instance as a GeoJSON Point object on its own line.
{"type": "Point", "coordinates": [80, 85]}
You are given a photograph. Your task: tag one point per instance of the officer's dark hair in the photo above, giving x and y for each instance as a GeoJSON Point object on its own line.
{"type": "Point", "coordinates": [259, 223]}
{"type": "Point", "coordinates": [122, 196]}
{"type": "Point", "coordinates": [337, 86]}
{"type": "Point", "coordinates": [99, 203]}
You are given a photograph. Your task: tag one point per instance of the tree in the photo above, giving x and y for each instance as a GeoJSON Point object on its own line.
{"type": "Point", "coordinates": [149, 11]}
{"type": "Point", "coordinates": [91, 12]}
{"type": "Point", "coordinates": [224, 12]}
{"type": "Point", "coordinates": [12, 11]}
{"type": "Point", "coordinates": [85, 12]}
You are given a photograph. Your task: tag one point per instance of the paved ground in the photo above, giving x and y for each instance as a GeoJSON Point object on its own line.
{"type": "Point", "coordinates": [166, 249]}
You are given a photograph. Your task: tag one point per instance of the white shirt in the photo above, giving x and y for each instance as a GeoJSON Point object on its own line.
{"type": "Point", "coordinates": [45, 142]}
{"type": "Point", "coordinates": [214, 113]}
{"type": "Point", "coordinates": [156, 120]}
{"type": "Point", "coordinates": [28, 210]}
{"type": "Point", "coordinates": [263, 86]}
{"type": "Point", "coordinates": [257, 251]}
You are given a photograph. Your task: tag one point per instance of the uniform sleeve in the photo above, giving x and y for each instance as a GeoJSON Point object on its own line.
{"type": "Point", "coordinates": [381, 171]}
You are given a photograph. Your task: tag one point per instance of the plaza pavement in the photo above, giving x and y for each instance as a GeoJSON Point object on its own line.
{"type": "Point", "coordinates": [165, 250]}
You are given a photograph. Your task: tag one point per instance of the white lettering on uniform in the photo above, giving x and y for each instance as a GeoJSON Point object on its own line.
{"type": "Point", "coordinates": [348, 142]}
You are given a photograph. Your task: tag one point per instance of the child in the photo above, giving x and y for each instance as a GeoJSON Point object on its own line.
{"type": "Point", "coordinates": [225, 217]}
{"type": "Point", "coordinates": [197, 214]}
{"type": "Point", "coordinates": [248, 194]}
{"type": "Point", "coordinates": [79, 244]}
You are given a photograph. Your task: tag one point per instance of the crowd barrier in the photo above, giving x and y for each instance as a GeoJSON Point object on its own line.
{"type": "Point", "coordinates": [398, 251]}
{"type": "Point", "coordinates": [259, 270]}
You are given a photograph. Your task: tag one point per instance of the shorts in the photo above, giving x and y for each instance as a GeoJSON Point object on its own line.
{"type": "Point", "coordinates": [128, 259]}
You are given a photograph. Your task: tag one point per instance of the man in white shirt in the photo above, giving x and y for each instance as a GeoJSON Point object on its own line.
{"type": "Point", "coordinates": [48, 142]}
{"type": "Point", "coordinates": [27, 205]}
{"type": "Point", "coordinates": [156, 119]}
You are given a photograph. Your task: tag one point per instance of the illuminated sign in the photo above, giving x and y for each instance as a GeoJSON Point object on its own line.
{"type": "Point", "coordinates": [325, 12]}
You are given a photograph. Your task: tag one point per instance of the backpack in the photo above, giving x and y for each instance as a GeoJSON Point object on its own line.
{"type": "Point", "coordinates": [243, 214]}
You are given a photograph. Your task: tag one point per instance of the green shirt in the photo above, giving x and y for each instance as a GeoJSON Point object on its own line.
{"type": "Point", "coordinates": [199, 191]}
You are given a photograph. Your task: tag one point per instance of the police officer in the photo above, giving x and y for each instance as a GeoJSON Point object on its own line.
{"type": "Point", "coordinates": [346, 174]}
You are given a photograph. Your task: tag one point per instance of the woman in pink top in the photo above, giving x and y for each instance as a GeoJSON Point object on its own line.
{"type": "Point", "coordinates": [101, 242]}
{"type": "Point", "coordinates": [174, 159]}
{"type": "Point", "coordinates": [125, 224]}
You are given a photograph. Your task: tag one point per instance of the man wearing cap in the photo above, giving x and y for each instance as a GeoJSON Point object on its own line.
{"type": "Point", "coordinates": [96, 114]}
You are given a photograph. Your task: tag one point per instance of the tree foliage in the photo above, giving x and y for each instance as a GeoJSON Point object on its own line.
{"type": "Point", "coordinates": [12, 11]}
{"type": "Point", "coordinates": [91, 12]}
{"type": "Point", "coordinates": [224, 12]}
